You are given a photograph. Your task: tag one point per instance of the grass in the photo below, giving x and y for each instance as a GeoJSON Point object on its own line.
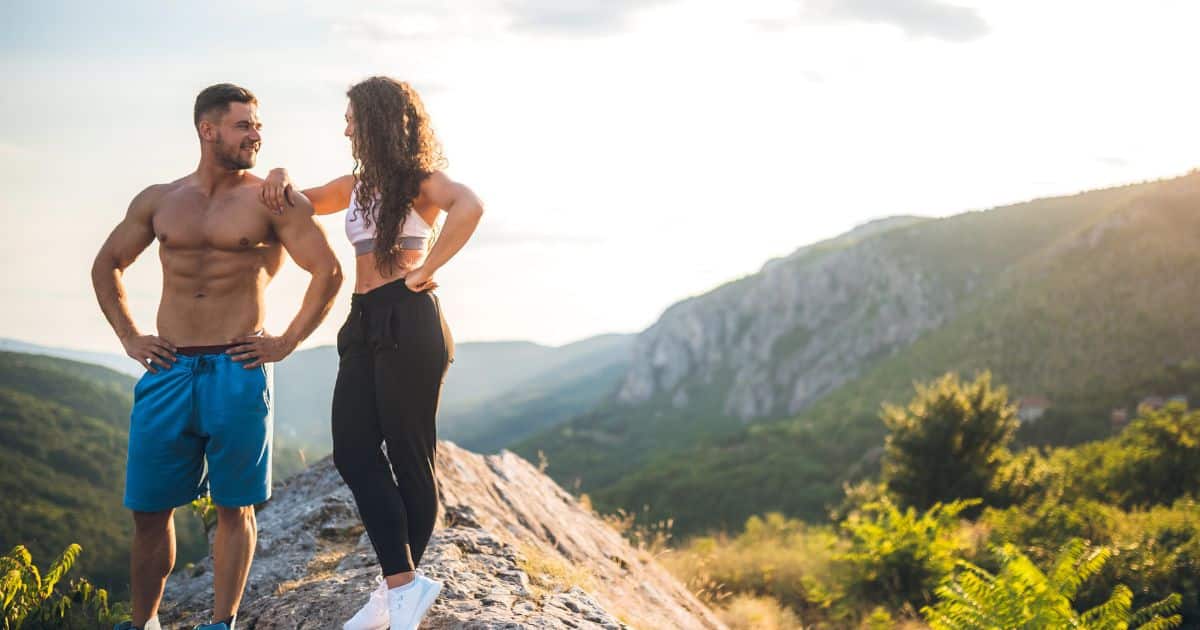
{"type": "Point", "coordinates": [549, 573]}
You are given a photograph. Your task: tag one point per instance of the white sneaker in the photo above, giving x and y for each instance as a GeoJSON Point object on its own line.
{"type": "Point", "coordinates": [429, 592]}
{"type": "Point", "coordinates": [403, 602]}
{"type": "Point", "coordinates": [374, 614]}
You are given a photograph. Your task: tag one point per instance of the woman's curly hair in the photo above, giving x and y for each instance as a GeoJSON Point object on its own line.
{"type": "Point", "coordinates": [395, 149]}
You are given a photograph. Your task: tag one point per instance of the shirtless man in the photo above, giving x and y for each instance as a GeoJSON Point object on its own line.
{"type": "Point", "coordinates": [206, 393]}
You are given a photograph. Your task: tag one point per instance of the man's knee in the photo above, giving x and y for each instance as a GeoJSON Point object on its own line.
{"type": "Point", "coordinates": [152, 523]}
{"type": "Point", "coordinates": [237, 517]}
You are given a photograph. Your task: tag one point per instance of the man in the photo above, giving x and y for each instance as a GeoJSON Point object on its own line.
{"type": "Point", "coordinates": [206, 393]}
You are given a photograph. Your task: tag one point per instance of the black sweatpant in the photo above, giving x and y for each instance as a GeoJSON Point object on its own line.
{"type": "Point", "coordinates": [394, 351]}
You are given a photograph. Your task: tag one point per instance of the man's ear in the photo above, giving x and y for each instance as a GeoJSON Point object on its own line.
{"type": "Point", "coordinates": [207, 130]}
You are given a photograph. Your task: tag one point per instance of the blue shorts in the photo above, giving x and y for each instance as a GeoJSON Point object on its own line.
{"type": "Point", "coordinates": [205, 408]}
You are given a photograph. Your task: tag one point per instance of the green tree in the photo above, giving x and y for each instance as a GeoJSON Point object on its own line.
{"type": "Point", "coordinates": [948, 442]}
{"type": "Point", "coordinates": [897, 557]}
{"type": "Point", "coordinates": [1161, 457]}
{"type": "Point", "coordinates": [1022, 596]}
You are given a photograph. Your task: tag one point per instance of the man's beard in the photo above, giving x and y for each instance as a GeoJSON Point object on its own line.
{"type": "Point", "coordinates": [232, 158]}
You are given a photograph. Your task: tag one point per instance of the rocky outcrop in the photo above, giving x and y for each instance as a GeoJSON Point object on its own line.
{"type": "Point", "coordinates": [774, 342]}
{"type": "Point", "coordinates": [513, 549]}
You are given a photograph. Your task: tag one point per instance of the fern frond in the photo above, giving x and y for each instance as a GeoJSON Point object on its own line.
{"type": "Point", "coordinates": [59, 568]}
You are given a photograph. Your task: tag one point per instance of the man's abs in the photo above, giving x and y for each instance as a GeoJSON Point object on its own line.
{"type": "Point", "coordinates": [211, 296]}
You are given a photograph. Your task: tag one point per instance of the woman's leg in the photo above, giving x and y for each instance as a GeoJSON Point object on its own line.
{"type": "Point", "coordinates": [357, 439]}
{"type": "Point", "coordinates": [408, 382]}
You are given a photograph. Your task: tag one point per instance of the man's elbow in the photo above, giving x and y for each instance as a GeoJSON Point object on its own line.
{"type": "Point", "coordinates": [104, 265]}
{"type": "Point", "coordinates": [332, 272]}
{"type": "Point", "coordinates": [476, 209]}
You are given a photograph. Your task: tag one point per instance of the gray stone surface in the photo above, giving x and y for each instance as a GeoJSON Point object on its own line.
{"type": "Point", "coordinates": [513, 549]}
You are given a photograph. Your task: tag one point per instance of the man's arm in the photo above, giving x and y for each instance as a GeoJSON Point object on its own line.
{"type": "Point", "coordinates": [130, 238]}
{"type": "Point", "coordinates": [305, 242]}
{"type": "Point", "coordinates": [463, 211]}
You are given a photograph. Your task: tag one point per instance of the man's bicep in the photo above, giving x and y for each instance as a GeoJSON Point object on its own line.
{"type": "Point", "coordinates": [304, 240]}
{"type": "Point", "coordinates": [134, 233]}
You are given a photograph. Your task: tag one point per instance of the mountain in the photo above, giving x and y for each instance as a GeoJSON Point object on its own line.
{"type": "Point", "coordinates": [513, 549]}
{"type": "Point", "coordinates": [763, 394]}
{"type": "Point", "coordinates": [495, 392]}
{"type": "Point", "coordinates": [117, 362]}
{"type": "Point", "coordinates": [63, 435]}
{"type": "Point", "coordinates": [574, 377]}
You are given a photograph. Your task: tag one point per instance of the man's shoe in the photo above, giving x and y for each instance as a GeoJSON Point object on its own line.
{"type": "Point", "coordinates": [374, 614]}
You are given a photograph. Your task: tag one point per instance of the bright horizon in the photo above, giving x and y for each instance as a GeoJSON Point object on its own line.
{"type": "Point", "coordinates": [611, 142]}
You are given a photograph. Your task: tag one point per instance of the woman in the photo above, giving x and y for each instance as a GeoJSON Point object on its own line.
{"type": "Point", "coordinates": [395, 347]}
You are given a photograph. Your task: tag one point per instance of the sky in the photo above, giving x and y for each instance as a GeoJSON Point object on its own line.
{"type": "Point", "coordinates": [630, 153]}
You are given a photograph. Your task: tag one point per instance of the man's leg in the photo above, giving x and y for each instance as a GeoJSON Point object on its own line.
{"type": "Point", "coordinates": [151, 561]}
{"type": "Point", "coordinates": [233, 550]}
{"type": "Point", "coordinates": [234, 409]}
{"type": "Point", "coordinates": [164, 468]}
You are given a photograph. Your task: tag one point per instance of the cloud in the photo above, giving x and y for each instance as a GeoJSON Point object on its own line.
{"type": "Point", "coordinates": [916, 18]}
{"type": "Point", "coordinates": [409, 23]}
{"type": "Point", "coordinates": [423, 21]}
{"type": "Point", "coordinates": [579, 17]}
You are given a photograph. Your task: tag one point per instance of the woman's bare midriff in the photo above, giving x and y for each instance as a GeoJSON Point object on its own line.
{"type": "Point", "coordinates": [367, 276]}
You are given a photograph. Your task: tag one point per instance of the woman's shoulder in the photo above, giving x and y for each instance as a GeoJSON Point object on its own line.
{"type": "Point", "coordinates": [434, 181]}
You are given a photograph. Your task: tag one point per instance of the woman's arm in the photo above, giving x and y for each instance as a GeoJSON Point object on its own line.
{"type": "Point", "coordinates": [463, 211]}
{"type": "Point", "coordinates": [328, 199]}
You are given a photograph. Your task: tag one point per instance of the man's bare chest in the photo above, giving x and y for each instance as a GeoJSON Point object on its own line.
{"type": "Point", "coordinates": [232, 226]}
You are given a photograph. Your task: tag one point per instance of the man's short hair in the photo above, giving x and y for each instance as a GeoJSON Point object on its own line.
{"type": "Point", "coordinates": [218, 97]}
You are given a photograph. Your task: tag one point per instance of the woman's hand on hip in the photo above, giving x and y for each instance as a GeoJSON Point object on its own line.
{"type": "Point", "coordinates": [419, 279]}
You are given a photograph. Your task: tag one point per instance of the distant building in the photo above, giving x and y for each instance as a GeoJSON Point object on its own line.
{"type": "Point", "coordinates": [1030, 408]}
{"type": "Point", "coordinates": [1119, 418]}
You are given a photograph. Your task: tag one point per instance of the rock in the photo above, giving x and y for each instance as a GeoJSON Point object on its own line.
{"type": "Point", "coordinates": [513, 549]}
{"type": "Point", "coordinates": [770, 344]}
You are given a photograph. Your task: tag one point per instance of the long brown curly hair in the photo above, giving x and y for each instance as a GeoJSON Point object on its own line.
{"type": "Point", "coordinates": [395, 149]}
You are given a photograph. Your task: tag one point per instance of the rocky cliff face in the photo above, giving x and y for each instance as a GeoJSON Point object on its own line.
{"type": "Point", "coordinates": [513, 549]}
{"type": "Point", "coordinates": [774, 342]}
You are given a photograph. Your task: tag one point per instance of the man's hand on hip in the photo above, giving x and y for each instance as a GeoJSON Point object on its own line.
{"type": "Point", "coordinates": [256, 350]}
{"type": "Point", "coordinates": [149, 350]}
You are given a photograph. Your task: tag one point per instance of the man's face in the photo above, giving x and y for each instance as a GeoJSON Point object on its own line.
{"type": "Point", "coordinates": [237, 139]}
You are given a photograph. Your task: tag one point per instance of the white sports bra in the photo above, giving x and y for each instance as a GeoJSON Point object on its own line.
{"type": "Point", "coordinates": [414, 234]}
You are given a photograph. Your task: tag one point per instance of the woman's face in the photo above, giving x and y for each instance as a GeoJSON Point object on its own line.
{"type": "Point", "coordinates": [350, 123]}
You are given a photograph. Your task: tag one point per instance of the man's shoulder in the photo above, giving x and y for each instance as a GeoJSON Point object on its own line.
{"type": "Point", "coordinates": [248, 191]}
{"type": "Point", "coordinates": [246, 196]}
{"type": "Point", "coordinates": [149, 198]}
{"type": "Point", "coordinates": [250, 179]}
{"type": "Point", "coordinates": [300, 205]}
{"type": "Point", "coordinates": [158, 190]}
